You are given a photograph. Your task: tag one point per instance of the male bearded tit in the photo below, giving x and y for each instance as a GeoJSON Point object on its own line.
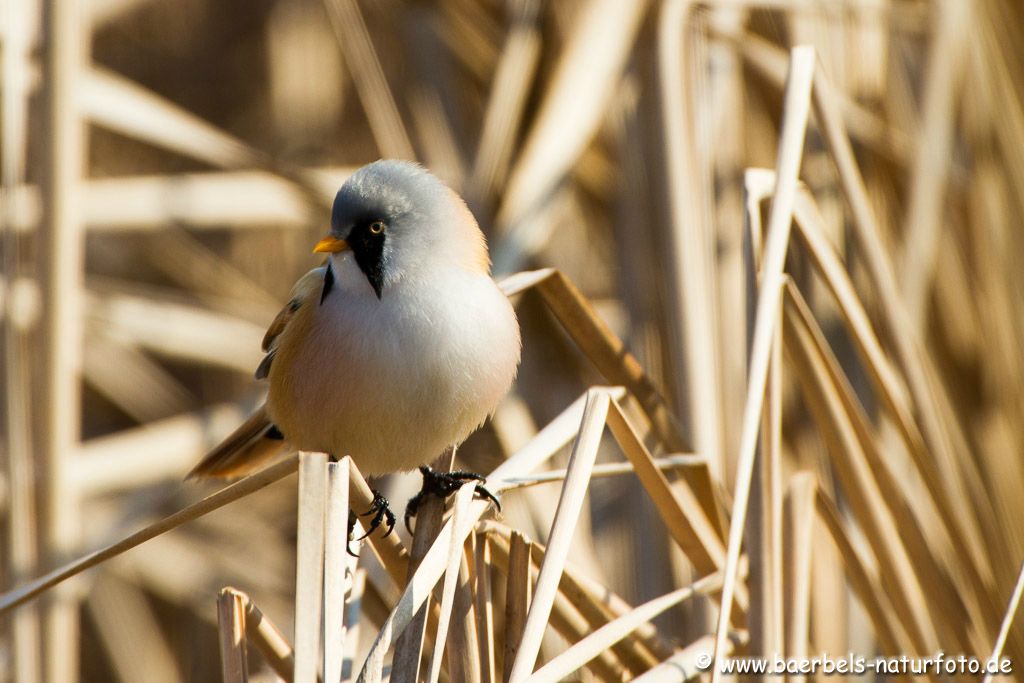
{"type": "Point", "coordinates": [394, 350]}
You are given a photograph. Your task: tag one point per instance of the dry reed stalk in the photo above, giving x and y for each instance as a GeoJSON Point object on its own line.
{"type": "Point", "coordinates": [908, 352]}
{"type": "Point", "coordinates": [682, 666]}
{"type": "Point", "coordinates": [62, 267]}
{"type": "Point", "coordinates": [691, 258]}
{"type": "Point", "coordinates": [484, 607]}
{"type": "Point", "coordinates": [113, 101]}
{"type": "Point", "coordinates": [111, 463]}
{"type": "Point", "coordinates": [147, 203]}
{"type": "Point", "coordinates": [510, 87]}
{"type": "Point", "coordinates": [441, 125]}
{"type": "Point", "coordinates": [583, 81]}
{"type": "Point", "coordinates": [467, 668]}
{"type": "Point", "coordinates": [582, 597]}
{"type": "Point", "coordinates": [865, 582]}
{"type": "Point", "coordinates": [885, 138]}
{"type": "Point", "coordinates": [678, 508]}
{"type": "Point", "coordinates": [231, 620]}
{"type": "Point", "coordinates": [387, 547]}
{"type": "Point", "coordinates": [890, 492]}
{"type": "Point", "coordinates": [268, 639]}
{"type": "Point", "coordinates": [570, 501]}
{"type": "Point", "coordinates": [764, 531]}
{"type": "Point", "coordinates": [133, 381]}
{"type": "Point", "coordinates": [603, 638]}
{"type": "Point", "coordinates": [188, 262]}
{"type": "Point", "coordinates": [619, 366]}
{"type": "Point", "coordinates": [796, 112]}
{"type": "Point", "coordinates": [945, 69]}
{"type": "Point", "coordinates": [869, 504]}
{"type": "Point", "coordinates": [664, 463]}
{"type": "Point", "coordinates": [892, 391]}
{"type": "Point", "coordinates": [124, 106]}
{"type": "Point", "coordinates": [338, 571]}
{"type": "Point", "coordinates": [364, 66]}
{"type": "Point", "coordinates": [464, 655]}
{"type": "Point", "coordinates": [539, 449]}
{"type": "Point", "coordinates": [353, 617]}
{"type": "Point", "coordinates": [229, 494]}
{"type": "Point", "coordinates": [518, 590]}
{"type": "Point", "coordinates": [22, 521]}
{"type": "Point", "coordinates": [472, 36]}
{"type": "Point", "coordinates": [178, 331]}
{"type": "Point", "coordinates": [309, 565]}
{"type": "Point", "coordinates": [1004, 629]}
{"type": "Point", "coordinates": [798, 529]}
{"type": "Point", "coordinates": [429, 519]}
{"type": "Point", "coordinates": [114, 604]}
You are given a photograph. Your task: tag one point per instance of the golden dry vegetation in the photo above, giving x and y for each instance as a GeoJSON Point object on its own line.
{"type": "Point", "coordinates": [767, 260]}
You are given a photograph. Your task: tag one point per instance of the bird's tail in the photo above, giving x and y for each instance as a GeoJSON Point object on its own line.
{"type": "Point", "coordinates": [254, 442]}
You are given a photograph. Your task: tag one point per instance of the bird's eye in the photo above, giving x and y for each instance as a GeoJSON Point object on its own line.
{"type": "Point", "coordinates": [377, 227]}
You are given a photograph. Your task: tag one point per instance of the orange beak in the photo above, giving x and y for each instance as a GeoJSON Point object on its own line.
{"type": "Point", "coordinates": [330, 245]}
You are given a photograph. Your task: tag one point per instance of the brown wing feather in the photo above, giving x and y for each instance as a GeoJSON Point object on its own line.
{"type": "Point", "coordinates": [252, 444]}
{"type": "Point", "coordinates": [307, 285]}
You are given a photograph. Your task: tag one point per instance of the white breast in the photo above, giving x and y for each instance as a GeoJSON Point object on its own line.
{"type": "Point", "coordinates": [393, 382]}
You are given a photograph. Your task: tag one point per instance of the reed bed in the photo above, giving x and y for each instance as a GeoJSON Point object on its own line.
{"type": "Point", "coordinates": [764, 261]}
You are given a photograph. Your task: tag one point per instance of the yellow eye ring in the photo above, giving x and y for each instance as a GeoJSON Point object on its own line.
{"type": "Point", "coordinates": [377, 227]}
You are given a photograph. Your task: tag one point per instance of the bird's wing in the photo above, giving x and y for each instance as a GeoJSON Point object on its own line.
{"type": "Point", "coordinates": [257, 440]}
{"type": "Point", "coordinates": [304, 290]}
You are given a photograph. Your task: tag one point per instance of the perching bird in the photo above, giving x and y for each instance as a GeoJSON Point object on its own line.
{"type": "Point", "coordinates": [397, 348]}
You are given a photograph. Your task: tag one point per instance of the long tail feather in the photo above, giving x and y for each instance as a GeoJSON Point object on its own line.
{"type": "Point", "coordinates": [243, 451]}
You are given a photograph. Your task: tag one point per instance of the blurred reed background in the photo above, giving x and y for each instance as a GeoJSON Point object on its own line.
{"type": "Point", "coordinates": [853, 402]}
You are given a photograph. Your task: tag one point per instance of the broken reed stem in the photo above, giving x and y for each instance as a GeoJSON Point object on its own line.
{"type": "Point", "coordinates": [231, 626]}
{"type": "Point", "coordinates": [268, 640]}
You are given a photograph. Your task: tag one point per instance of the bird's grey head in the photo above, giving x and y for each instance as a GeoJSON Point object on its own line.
{"type": "Point", "coordinates": [398, 219]}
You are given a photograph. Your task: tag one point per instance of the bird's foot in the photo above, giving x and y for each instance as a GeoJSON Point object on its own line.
{"type": "Point", "coordinates": [382, 515]}
{"type": "Point", "coordinates": [442, 485]}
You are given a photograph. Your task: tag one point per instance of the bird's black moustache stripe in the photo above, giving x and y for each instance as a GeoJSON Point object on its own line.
{"type": "Point", "coordinates": [328, 282]}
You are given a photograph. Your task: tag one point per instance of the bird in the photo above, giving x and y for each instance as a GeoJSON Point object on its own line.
{"type": "Point", "coordinates": [395, 349]}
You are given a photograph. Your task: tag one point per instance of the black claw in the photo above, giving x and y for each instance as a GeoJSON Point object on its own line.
{"type": "Point", "coordinates": [442, 485]}
{"type": "Point", "coordinates": [382, 514]}
{"type": "Point", "coordinates": [484, 493]}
